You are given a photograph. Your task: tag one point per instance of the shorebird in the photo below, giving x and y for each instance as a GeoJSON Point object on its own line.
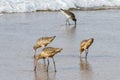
{"type": "Point", "coordinates": [84, 46]}
{"type": "Point", "coordinates": [69, 15]}
{"type": "Point", "coordinates": [46, 53]}
{"type": "Point", "coordinates": [43, 42]}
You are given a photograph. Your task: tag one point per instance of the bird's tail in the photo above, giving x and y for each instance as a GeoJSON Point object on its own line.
{"type": "Point", "coordinates": [58, 49]}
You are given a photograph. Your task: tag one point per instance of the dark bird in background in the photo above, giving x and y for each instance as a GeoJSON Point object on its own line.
{"type": "Point", "coordinates": [46, 53]}
{"type": "Point", "coordinates": [85, 44]}
{"type": "Point", "coordinates": [69, 15]}
{"type": "Point", "coordinates": [43, 42]}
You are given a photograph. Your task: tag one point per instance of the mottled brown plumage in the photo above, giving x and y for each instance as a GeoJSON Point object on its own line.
{"type": "Point", "coordinates": [85, 44]}
{"type": "Point", "coordinates": [43, 42]}
{"type": "Point", "coordinates": [47, 53]}
{"type": "Point", "coordinates": [69, 15]}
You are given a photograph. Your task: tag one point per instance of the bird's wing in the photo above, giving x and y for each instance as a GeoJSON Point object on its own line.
{"type": "Point", "coordinates": [83, 43]}
{"type": "Point", "coordinates": [49, 50]}
{"type": "Point", "coordinates": [43, 40]}
{"type": "Point", "coordinates": [70, 13]}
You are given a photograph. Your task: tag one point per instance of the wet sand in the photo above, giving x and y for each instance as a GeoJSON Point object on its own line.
{"type": "Point", "coordinates": [19, 32]}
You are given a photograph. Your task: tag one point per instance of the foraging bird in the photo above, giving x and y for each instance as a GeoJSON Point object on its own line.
{"type": "Point", "coordinates": [69, 15]}
{"type": "Point", "coordinates": [84, 45]}
{"type": "Point", "coordinates": [43, 42]}
{"type": "Point", "coordinates": [46, 53]}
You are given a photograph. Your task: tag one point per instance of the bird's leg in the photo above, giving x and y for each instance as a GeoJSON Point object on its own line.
{"type": "Point", "coordinates": [75, 23]}
{"type": "Point", "coordinates": [54, 64]}
{"type": "Point", "coordinates": [35, 54]}
{"type": "Point", "coordinates": [80, 54]}
{"type": "Point", "coordinates": [44, 61]}
{"type": "Point", "coordinates": [48, 64]}
{"type": "Point", "coordinates": [86, 60]}
{"type": "Point", "coordinates": [35, 64]}
{"type": "Point", "coordinates": [67, 21]}
{"type": "Point", "coordinates": [86, 51]}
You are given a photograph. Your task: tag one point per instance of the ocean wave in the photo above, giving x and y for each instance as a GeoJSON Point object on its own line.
{"type": "Point", "coordinates": [36, 5]}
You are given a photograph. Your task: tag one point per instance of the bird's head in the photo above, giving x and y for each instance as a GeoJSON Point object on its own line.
{"type": "Point", "coordinates": [74, 19]}
{"type": "Point", "coordinates": [90, 41]}
{"type": "Point", "coordinates": [54, 37]}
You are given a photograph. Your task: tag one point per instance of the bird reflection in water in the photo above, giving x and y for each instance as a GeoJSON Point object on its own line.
{"type": "Point", "coordinates": [85, 69]}
{"type": "Point", "coordinates": [71, 30]}
{"type": "Point", "coordinates": [43, 75]}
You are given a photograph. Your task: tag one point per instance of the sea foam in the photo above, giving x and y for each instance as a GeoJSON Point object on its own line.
{"type": "Point", "coordinates": [34, 5]}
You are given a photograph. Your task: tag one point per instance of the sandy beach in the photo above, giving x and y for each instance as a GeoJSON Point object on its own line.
{"type": "Point", "coordinates": [19, 32]}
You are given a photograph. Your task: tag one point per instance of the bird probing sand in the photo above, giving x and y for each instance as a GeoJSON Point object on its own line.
{"type": "Point", "coordinates": [46, 53]}
{"type": "Point", "coordinates": [84, 46]}
{"type": "Point", "coordinates": [69, 15]}
{"type": "Point", "coordinates": [43, 42]}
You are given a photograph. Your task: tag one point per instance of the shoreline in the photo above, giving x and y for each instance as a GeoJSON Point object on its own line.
{"type": "Point", "coordinates": [72, 9]}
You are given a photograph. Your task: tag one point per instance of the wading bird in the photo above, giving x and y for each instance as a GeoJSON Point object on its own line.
{"type": "Point", "coordinates": [46, 53]}
{"type": "Point", "coordinates": [69, 15]}
{"type": "Point", "coordinates": [84, 46]}
{"type": "Point", "coordinates": [43, 42]}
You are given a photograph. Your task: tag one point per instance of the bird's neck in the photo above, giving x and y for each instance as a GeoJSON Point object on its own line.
{"type": "Point", "coordinates": [38, 57]}
{"type": "Point", "coordinates": [63, 12]}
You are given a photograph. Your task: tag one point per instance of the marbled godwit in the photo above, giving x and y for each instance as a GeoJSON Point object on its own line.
{"type": "Point", "coordinates": [43, 42]}
{"type": "Point", "coordinates": [69, 15]}
{"type": "Point", "coordinates": [46, 53]}
{"type": "Point", "coordinates": [84, 45]}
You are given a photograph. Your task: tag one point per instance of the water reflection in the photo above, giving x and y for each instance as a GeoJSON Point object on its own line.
{"type": "Point", "coordinates": [43, 75]}
{"type": "Point", "coordinates": [70, 31]}
{"type": "Point", "coordinates": [85, 69]}
{"type": "Point", "coordinates": [71, 28]}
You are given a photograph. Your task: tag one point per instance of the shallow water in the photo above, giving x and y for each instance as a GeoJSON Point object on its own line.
{"type": "Point", "coordinates": [19, 32]}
